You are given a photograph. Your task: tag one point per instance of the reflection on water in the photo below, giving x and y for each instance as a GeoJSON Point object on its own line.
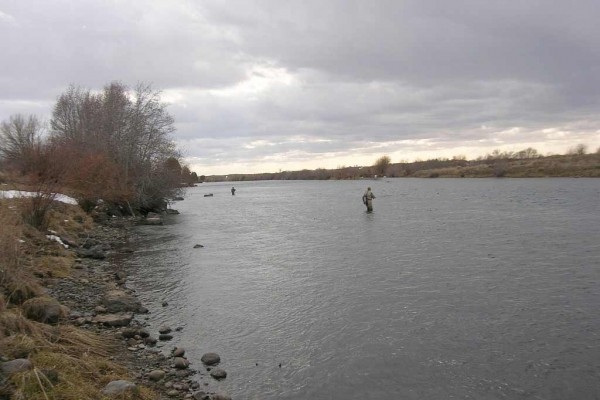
{"type": "Point", "coordinates": [450, 289]}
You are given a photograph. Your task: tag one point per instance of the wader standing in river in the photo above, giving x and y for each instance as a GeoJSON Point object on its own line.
{"type": "Point", "coordinates": [368, 199]}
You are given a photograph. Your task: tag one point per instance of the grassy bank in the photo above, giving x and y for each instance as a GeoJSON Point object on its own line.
{"type": "Point", "coordinates": [66, 362]}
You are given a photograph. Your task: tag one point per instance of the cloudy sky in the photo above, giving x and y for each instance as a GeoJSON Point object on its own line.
{"type": "Point", "coordinates": [268, 85]}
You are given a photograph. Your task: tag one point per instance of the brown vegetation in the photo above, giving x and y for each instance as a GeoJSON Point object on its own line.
{"type": "Point", "coordinates": [522, 164]}
{"type": "Point", "coordinates": [69, 363]}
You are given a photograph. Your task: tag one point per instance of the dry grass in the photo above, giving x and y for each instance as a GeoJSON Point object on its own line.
{"type": "Point", "coordinates": [70, 363]}
{"type": "Point", "coordinates": [79, 358]}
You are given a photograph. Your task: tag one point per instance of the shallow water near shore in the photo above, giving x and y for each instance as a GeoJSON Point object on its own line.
{"type": "Point", "coordinates": [451, 288]}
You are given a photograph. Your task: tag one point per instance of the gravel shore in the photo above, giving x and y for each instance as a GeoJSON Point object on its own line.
{"type": "Point", "coordinates": [99, 300]}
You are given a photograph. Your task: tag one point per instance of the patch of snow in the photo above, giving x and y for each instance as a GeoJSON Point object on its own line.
{"type": "Point", "coordinates": [58, 240]}
{"type": "Point", "coordinates": [10, 194]}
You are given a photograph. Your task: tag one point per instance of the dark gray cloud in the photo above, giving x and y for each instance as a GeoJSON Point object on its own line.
{"type": "Point", "coordinates": [268, 84]}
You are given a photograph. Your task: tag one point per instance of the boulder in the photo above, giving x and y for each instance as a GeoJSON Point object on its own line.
{"type": "Point", "coordinates": [164, 329]}
{"type": "Point", "coordinates": [152, 219]}
{"type": "Point", "coordinates": [165, 336]}
{"type": "Point", "coordinates": [210, 358]}
{"type": "Point", "coordinates": [119, 388]}
{"type": "Point", "coordinates": [200, 396]}
{"type": "Point", "coordinates": [118, 301]}
{"type": "Point", "coordinates": [218, 373]}
{"type": "Point", "coordinates": [156, 375]}
{"type": "Point", "coordinates": [45, 309]}
{"type": "Point", "coordinates": [178, 352]}
{"type": "Point", "coordinates": [181, 363]}
{"type": "Point", "coordinates": [221, 396]}
{"type": "Point", "coordinates": [150, 340]}
{"type": "Point", "coordinates": [120, 319]}
{"type": "Point", "coordinates": [15, 366]}
{"type": "Point", "coordinates": [95, 252]}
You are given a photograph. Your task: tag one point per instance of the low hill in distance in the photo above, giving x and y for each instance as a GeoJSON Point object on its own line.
{"type": "Point", "coordinates": [571, 165]}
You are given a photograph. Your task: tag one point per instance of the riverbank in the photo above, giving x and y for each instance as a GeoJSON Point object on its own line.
{"type": "Point", "coordinates": [72, 328]}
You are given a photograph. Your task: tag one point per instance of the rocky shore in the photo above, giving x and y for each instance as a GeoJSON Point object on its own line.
{"type": "Point", "coordinates": [99, 300]}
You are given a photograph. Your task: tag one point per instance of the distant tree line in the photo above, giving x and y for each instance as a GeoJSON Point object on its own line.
{"type": "Point", "coordinates": [113, 145]}
{"type": "Point", "coordinates": [497, 163]}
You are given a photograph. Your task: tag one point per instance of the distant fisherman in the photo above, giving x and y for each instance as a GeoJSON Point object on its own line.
{"type": "Point", "coordinates": [368, 199]}
{"type": "Point", "coordinates": [232, 191]}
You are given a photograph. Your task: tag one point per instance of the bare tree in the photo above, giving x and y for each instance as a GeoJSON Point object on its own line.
{"type": "Point", "coordinates": [131, 128]}
{"type": "Point", "coordinates": [20, 139]}
{"type": "Point", "coordinates": [381, 165]}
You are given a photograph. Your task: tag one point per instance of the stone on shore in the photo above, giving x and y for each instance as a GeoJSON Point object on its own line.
{"type": "Point", "coordinates": [181, 363]}
{"type": "Point", "coordinates": [218, 373]}
{"type": "Point", "coordinates": [210, 358]}
{"type": "Point", "coordinates": [45, 309]}
{"type": "Point", "coordinates": [152, 219]}
{"type": "Point", "coordinates": [118, 301]}
{"type": "Point", "coordinates": [200, 396]}
{"type": "Point", "coordinates": [95, 252]}
{"type": "Point", "coordinates": [15, 366]}
{"type": "Point", "coordinates": [156, 375]}
{"type": "Point", "coordinates": [118, 388]}
{"type": "Point", "coordinates": [164, 329]}
{"type": "Point", "coordinates": [121, 319]}
{"type": "Point", "coordinates": [221, 396]}
{"type": "Point", "coordinates": [178, 352]}
{"type": "Point", "coordinates": [165, 336]}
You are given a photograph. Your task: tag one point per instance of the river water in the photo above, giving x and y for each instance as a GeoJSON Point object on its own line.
{"type": "Point", "coordinates": [451, 288]}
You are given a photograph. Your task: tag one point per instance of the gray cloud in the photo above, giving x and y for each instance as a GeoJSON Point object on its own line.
{"type": "Point", "coordinates": [318, 80]}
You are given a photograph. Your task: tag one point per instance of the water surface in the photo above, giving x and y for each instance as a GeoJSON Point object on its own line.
{"type": "Point", "coordinates": [452, 288]}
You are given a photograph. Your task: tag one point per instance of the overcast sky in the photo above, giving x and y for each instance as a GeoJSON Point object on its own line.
{"type": "Point", "coordinates": [259, 86]}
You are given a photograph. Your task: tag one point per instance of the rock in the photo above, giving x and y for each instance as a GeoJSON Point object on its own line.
{"type": "Point", "coordinates": [121, 319]}
{"type": "Point", "coordinates": [198, 246]}
{"type": "Point", "coordinates": [100, 309]}
{"type": "Point", "coordinates": [178, 352]}
{"type": "Point", "coordinates": [118, 388]}
{"type": "Point", "coordinates": [44, 309]}
{"type": "Point", "coordinates": [218, 373]}
{"type": "Point", "coordinates": [173, 393]}
{"type": "Point", "coordinates": [120, 276]}
{"type": "Point", "coordinates": [51, 375]}
{"type": "Point", "coordinates": [15, 366]}
{"type": "Point", "coordinates": [119, 301]}
{"type": "Point", "coordinates": [200, 396]}
{"type": "Point", "coordinates": [129, 333]}
{"type": "Point", "coordinates": [179, 328]}
{"type": "Point", "coordinates": [95, 252]}
{"type": "Point", "coordinates": [143, 333]}
{"type": "Point", "coordinates": [221, 396]}
{"type": "Point", "coordinates": [152, 219]}
{"type": "Point", "coordinates": [150, 340]}
{"type": "Point", "coordinates": [210, 358]}
{"type": "Point", "coordinates": [164, 329]}
{"type": "Point", "coordinates": [164, 304]}
{"type": "Point", "coordinates": [171, 211]}
{"type": "Point", "coordinates": [181, 386]}
{"type": "Point", "coordinates": [181, 363]}
{"type": "Point", "coordinates": [156, 375]}
{"type": "Point", "coordinates": [165, 336]}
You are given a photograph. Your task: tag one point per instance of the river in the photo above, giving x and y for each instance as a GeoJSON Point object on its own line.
{"type": "Point", "coordinates": [451, 288]}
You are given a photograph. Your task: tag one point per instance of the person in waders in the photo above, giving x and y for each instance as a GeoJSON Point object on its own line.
{"type": "Point", "coordinates": [232, 191]}
{"type": "Point", "coordinates": [368, 199]}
